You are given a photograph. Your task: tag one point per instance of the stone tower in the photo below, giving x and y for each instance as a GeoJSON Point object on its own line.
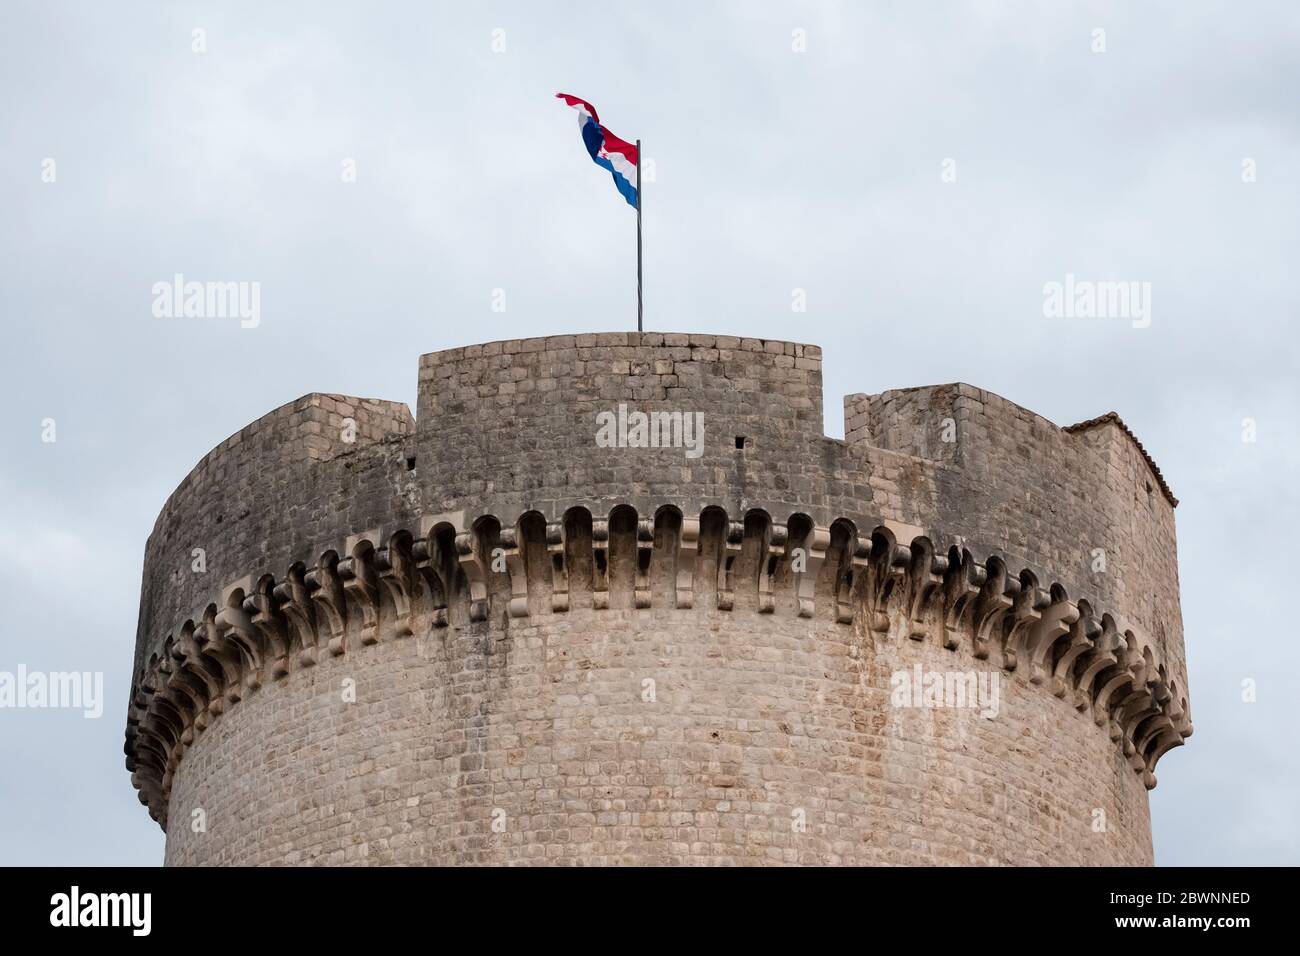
{"type": "Point", "coordinates": [505, 632]}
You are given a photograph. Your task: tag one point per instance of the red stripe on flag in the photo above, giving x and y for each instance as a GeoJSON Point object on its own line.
{"type": "Point", "coordinates": [615, 145]}
{"type": "Point", "coordinates": [575, 101]}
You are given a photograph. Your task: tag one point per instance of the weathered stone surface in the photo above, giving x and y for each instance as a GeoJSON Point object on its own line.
{"type": "Point", "coordinates": [563, 652]}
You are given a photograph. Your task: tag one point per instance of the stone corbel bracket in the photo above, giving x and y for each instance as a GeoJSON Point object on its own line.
{"type": "Point", "coordinates": [390, 585]}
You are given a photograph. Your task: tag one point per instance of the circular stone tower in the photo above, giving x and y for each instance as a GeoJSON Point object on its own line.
{"type": "Point", "coordinates": [616, 599]}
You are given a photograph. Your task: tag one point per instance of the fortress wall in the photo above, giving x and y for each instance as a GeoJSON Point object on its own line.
{"type": "Point", "coordinates": [907, 420]}
{"type": "Point", "coordinates": [1142, 556]}
{"type": "Point", "coordinates": [400, 524]}
{"type": "Point", "coordinates": [285, 486]}
{"type": "Point", "coordinates": [492, 418]}
{"type": "Point", "coordinates": [513, 425]}
{"type": "Point", "coordinates": [549, 733]}
{"type": "Point", "coordinates": [1015, 483]}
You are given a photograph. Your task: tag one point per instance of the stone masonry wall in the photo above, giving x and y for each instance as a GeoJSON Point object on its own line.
{"type": "Point", "coordinates": [315, 534]}
{"type": "Point", "coordinates": [549, 735]}
{"type": "Point", "coordinates": [1033, 489]}
{"type": "Point", "coordinates": [267, 495]}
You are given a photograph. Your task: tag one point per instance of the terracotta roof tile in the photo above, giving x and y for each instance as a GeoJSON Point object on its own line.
{"type": "Point", "coordinates": [1114, 417]}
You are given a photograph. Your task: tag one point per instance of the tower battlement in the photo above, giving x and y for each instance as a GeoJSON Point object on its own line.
{"type": "Point", "coordinates": [499, 583]}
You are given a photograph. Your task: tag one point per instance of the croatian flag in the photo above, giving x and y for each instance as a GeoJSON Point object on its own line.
{"type": "Point", "coordinates": [606, 149]}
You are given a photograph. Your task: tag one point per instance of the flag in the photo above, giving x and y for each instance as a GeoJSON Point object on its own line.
{"type": "Point", "coordinates": [607, 150]}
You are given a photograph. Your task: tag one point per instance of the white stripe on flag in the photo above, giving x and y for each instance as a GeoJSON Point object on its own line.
{"type": "Point", "coordinates": [625, 167]}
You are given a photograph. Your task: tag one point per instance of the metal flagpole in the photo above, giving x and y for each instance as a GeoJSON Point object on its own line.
{"type": "Point", "coordinates": [639, 190]}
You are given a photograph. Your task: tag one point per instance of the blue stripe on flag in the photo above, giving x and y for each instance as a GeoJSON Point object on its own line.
{"type": "Point", "coordinates": [593, 137]}
{"type": "Point", "coordinates": [624, 187]}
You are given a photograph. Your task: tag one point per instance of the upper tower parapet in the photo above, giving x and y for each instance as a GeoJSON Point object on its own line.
{"type": "Point", "coordinates": [1087, 498]}
{"type": "Point", "coordinates": [517, 422]}
{"type": "Point", "coordinates": [520, 428]}
{"type": "Point", "coordinates": [257, 496]}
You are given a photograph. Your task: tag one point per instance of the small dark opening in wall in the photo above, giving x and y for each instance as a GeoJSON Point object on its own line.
{"type": "Point", "coordinates": [740, 441]}
{"type": "Point", "coordinates": [1149, 489]}
{"type": "Point", "coordinates": [410, 463]}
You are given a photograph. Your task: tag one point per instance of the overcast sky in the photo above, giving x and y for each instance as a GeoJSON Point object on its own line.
{"type": "Point", "coordinates": [776, 170]}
